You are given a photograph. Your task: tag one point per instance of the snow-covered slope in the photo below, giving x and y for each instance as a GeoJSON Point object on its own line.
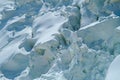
{"type": "Point", "coordinates": [59, 39]}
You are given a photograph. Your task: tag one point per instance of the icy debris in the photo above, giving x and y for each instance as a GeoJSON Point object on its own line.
{"type": "Point", "coordinates": [58, 39]}
{"type": "Point", "coordinates": [92, 10]}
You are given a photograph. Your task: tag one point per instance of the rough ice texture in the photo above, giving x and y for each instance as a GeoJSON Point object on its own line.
{"type": "Point", "coordinates": [59, 39]}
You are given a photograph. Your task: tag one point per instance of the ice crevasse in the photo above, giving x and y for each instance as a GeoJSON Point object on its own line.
{"type": "Point", "coordinates": [59, 39]}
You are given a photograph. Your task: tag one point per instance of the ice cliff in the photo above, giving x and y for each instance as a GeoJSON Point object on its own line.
{"type": "Point", "coordinates": [59, 39]}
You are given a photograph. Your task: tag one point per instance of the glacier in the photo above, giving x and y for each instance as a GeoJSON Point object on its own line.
{"type": "Point", "coordinates": [59, 39]}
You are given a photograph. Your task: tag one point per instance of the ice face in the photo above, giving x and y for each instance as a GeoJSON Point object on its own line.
{"type": "Point", "coordinates": [59, 39]}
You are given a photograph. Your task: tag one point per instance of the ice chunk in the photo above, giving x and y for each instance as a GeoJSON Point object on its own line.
{"type": "Point", "coordinates": [105, 30]}
{"type": "Point", "coordinates": [14, 66]}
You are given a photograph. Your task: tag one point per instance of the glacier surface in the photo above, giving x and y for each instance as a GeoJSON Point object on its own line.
{"type": "Point", "coordinates": [59, 39]}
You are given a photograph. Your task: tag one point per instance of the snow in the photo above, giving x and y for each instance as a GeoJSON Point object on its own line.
{"type": "Point", "coordinates": [15, 19]}
{"type": "Point", "coordinates": [114, 70]}
{"type": "Point", "coordinates": [49, 26]}
{"type": "Point", "coordinates": [48, 34]}
{"type": "Point", "coordinates": [59, 39]}
{"type": "Point", "coordinates": [118, 28]}
{"type": "Point", "coordinates": [10, 49]}
{"type": "Point", "coordinates": [91, 25]}
{"type": "Point", "coordinates": [7, 5]}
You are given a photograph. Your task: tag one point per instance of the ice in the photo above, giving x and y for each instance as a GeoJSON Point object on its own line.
{"type": "Point", "coordinates": [48, 27]}
{"type": "Point", "coordinates": [59, 39]}
{"type": "Point", "coordinates": [105, 30]}
{"type": "Point", "coordinates": [7, 5]}
{"type": "Point", "coordinates": [14, 66]}
{"type": "Point", "coordinates": [10, 49]}
{"type": "Point", "coordinates": [114, 70]}
{"type": "Point", "coordinates": [118, 28]}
